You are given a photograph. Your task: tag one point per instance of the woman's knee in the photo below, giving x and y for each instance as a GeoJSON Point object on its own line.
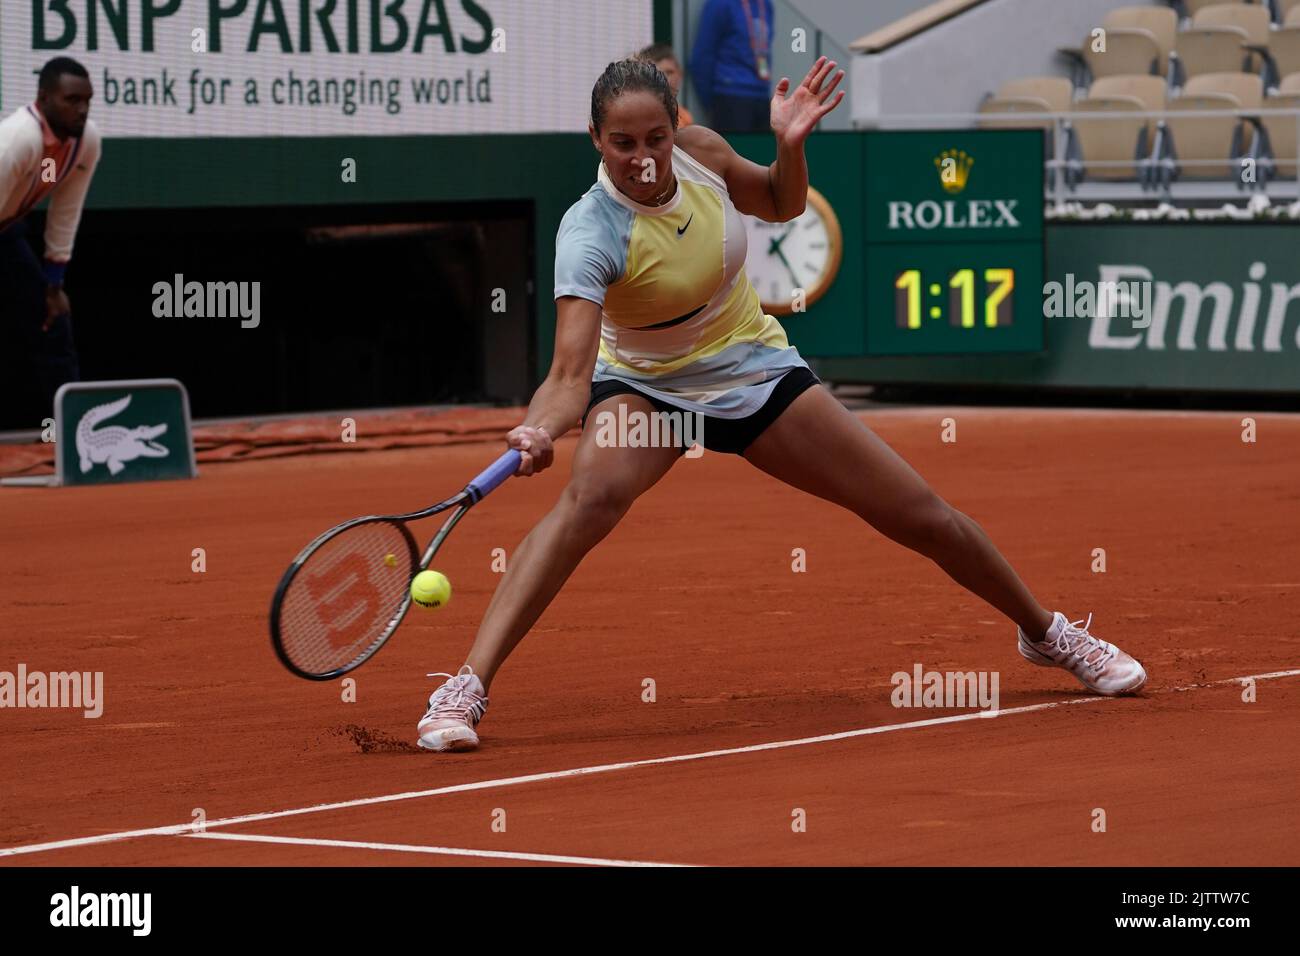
{"type": "Point", "coordinates": [595, 506]}
{"type": "Point", "coordinates": [930, 526]}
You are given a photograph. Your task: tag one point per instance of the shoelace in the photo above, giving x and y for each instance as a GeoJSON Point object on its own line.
{"type": "Point", "coordinates": [1077, 642]}
{"type": "Point", "coordinates": [454, 699]}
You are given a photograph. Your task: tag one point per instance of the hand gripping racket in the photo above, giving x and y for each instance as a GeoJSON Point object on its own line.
{"type": "Point", "coordinates": [345, 593]}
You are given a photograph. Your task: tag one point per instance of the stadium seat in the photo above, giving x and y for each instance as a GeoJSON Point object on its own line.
{"type": "Point", "coordinates": [1160, 22]}
{"type": "Point", "coordinates": [1117, 140]}
{"type": "Point", "coordinates": [1030, 94]}
{"type": "Point", "coordinates": [1283, 54]}
{"type": "Point", "coordinates": [1014, 104]}
{"type": "Point", "coordinates": [1292, 17]}
{"type": "Point", "coordinates": [1192, 138]}
{"type": "Point", "coordinates": [1203, 138]}
{"type": "Point", "coordinates": [1128, 51]}
{"type": "Point", "coordinates": [1149, 89]}
{"type": "Point", "coordinates": [1286, 11]}
{"type": "Point", "coordinates": [1151, 92]}
{"type": "Point", "coordinates": [1246, 88]}
{"type": "Point", "coordinates": [1192, 7]}
{"type": "Point", "coordinates": [1255, 19]}
{"type": "Point", "coordinates": [1281, 145]}
{"type": "Point", "coordinates": [1055, 90]}
{"type": "Point", "coordinates": [1290, 84]}
{"type": "Point", "coordinates": [1251, 17]}
{"type": "Point", "coordinates": [1211, 50]}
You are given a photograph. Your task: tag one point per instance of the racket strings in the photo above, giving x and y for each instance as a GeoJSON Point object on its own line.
{"type": "Point", "coordinates": [345, 595]}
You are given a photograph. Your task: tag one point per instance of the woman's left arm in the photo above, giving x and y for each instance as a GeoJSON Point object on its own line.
{"type": "Point", "coordinates": [779, 192]}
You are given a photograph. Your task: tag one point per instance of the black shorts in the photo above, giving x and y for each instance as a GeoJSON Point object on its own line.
{"type": "Point", "coordinates": [732, 435]}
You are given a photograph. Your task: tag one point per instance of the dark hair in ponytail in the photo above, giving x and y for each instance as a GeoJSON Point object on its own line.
{"type": "Point", "coordinates": [623, 76]}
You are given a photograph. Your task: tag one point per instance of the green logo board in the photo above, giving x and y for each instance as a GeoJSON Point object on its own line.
{"type": "Point", "coordinates": [113, 432]}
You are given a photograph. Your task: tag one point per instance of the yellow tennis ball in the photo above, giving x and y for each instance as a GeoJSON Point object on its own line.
{"type": "Point", "coordinates": [430, 589]}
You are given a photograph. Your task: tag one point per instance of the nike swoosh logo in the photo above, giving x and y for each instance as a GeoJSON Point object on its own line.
{"type": "Point", "coordinates": [682, 231]}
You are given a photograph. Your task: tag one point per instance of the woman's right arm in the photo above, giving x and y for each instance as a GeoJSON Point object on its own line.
{"type": "Point", "coordinates": [561, 399]}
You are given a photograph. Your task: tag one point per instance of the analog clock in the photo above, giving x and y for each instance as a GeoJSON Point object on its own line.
{"type": "Point", "coordinates": [804, 254]}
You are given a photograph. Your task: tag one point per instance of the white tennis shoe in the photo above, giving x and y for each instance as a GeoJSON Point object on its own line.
{"type": "Point", "coordinates": [1101, 667]}
{"type": "Point", "coordinates": [454, 711]}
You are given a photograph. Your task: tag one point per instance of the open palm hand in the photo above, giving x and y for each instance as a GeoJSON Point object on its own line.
{"type": "Point", "coordinates": [794, 118]}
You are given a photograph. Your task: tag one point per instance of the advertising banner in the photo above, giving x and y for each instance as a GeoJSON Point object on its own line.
{"type": "Point", "coordinates": [201, 68]}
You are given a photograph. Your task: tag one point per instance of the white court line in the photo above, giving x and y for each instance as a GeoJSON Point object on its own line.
{"type": "Point", "coordinates": [181, 829]}
{"type": "Point", "coordinates": [442, 850]}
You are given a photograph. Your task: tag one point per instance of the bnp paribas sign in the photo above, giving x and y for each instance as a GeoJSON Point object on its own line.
{"type": "Point", "coordinates": [184, 68]}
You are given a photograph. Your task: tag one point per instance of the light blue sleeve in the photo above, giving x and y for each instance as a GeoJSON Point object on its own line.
{"type": "Point", "coordinates": [591, 247]}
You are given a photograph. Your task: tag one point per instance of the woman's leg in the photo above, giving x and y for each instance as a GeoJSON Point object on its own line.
{"type": "Point", "coordinates": [604, 483]}
{"type": "Point", "coordinates": [818, 446]}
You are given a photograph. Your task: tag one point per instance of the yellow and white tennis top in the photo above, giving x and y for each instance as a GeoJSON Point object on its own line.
{"type": "Point", "coordinates": [680, 320]}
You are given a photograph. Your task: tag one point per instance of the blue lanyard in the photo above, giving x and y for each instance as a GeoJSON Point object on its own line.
{"type": "Point", "coordinates": [758, 40]}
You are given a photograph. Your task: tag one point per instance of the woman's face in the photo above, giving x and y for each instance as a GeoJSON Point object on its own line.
{"type": "Point", "coordinates": [637, 143]}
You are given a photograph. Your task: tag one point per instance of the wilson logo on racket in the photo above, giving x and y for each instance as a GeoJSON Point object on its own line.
{"type": "Point", "coordinates": [334, 607]}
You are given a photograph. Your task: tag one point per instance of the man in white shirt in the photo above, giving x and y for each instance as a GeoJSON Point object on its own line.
{"type": "Point", "coordinates": [47, 148]}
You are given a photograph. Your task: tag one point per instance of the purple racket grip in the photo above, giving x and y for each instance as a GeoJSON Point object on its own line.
{"type": "Point", "coordinates": [493, 475]}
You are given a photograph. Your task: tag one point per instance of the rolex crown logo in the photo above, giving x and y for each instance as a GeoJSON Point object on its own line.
{"type": "Point", "coordinates": [954, 169]}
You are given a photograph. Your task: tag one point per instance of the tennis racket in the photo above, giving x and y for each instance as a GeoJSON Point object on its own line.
{"type": "Point", "coordinates": [346, 592]}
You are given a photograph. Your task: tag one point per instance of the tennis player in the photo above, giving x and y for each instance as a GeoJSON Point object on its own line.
{"type": "Point", "coordinates": [651, 292]}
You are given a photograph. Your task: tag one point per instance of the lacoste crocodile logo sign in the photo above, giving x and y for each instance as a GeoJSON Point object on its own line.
{"type": "Point", "coordinates": [114, 445]}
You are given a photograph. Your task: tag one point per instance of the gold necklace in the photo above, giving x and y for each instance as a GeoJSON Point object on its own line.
{"type": "Point", "coordinates": [661, 198]}
{"type": "Point", "coordinates": [658, 200]}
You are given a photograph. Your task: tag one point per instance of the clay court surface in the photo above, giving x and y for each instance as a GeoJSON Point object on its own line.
{"type": "Point", "coordinates": [695, 590]}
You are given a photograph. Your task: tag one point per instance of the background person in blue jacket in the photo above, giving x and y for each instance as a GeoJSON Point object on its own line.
{"type": "Point", "coordinates": [731, 64]}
